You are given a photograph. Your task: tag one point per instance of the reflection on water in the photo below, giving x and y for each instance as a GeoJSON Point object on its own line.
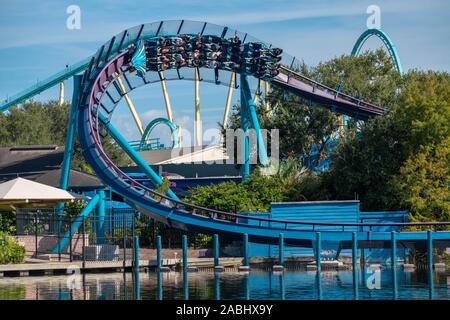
{"type": "Point", "coordinates": [255, 285]}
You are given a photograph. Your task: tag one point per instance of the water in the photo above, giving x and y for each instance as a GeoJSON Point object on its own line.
{"type": "Point", "coordinates": [257, 285]}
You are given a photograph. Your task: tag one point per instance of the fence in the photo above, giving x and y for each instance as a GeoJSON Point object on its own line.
{"type": "Point", "coordinates": [52, 234]}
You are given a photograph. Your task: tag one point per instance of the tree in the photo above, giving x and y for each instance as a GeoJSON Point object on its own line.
{"type": "Point", "coordinates": [364, 163]}
{"type": "Point", "coordinates": [36, 123]}
{"type": "Point", "coordinates": [424, 183]}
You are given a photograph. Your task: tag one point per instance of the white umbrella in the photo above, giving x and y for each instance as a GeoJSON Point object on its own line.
{"type": "Point", "coordinates": [21, 192]}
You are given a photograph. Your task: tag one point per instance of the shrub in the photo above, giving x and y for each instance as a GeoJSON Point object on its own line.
{"type": "Point", "coordinates": [10, 250]}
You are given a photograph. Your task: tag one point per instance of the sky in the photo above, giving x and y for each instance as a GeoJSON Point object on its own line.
{"type": "Point", "coordinates": [36, 43]}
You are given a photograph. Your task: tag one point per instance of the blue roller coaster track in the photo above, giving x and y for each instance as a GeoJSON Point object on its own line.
{"type": "Point", "coordinates": [386, 41]}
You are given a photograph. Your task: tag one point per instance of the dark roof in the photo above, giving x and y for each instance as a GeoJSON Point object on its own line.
{"type": "Point", "coordinates": [41, 164]}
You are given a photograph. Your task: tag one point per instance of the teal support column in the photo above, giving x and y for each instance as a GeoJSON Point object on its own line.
{"type": "Point", "coordinates": [354, 263]}
{"type": "Point", "coordinates": [216, 286]}
{"type": "Point", "coordinates": [136, 253]}
{"type": "Point", "coordinates": [185, 267]}
{"type": "Point", "coordinates": [430, 262]}
{"type": "Point", "coordinates": [185, 253]}
{"type": "Point", "coordinates": [247, 286]}
{"type": "Point", "coordinates": [245, 244]}
{"type": "Point", "coordinates": [318, 249]}
{"type": "Point", "coordinates": [76, 224]}
{"type": "Point", "coordinates": [70, 136]}
{"type": "Point", "coordinates": [185, 285]}
{"type": "Point", "coordinates": [156, 179]}
{"type": "Point", "coordinates": [282, 287]}
{"type": "Point", "coordinates": [244, 125]}
{"type": "Point", "coordinates": [158, 253]}
{"type": "Point", "coordinates": [394, 263]}
{"type": "Point", "coordinates": [281, 249]}
{"type": "Point", "coordinates": [216, 250]}
{"type": "Point", "coordinates": [100, 211]}
{"type": "Point", "coordinates": [159, 289]}
{"type": "Point", "coordinates": [137, 282]}
{"type": "Point", "coordinates": [251, 110]}
{"type": "Point", "coordinates": [318, 274]}
{"type": "Point", "coordinates": [69, 144]}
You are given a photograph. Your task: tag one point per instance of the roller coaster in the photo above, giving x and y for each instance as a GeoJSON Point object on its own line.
{"type": "Point", "coordinates": [199, 51]}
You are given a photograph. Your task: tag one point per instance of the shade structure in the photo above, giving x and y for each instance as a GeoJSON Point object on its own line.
{"type": "Point", "coordinates": [21, 192]}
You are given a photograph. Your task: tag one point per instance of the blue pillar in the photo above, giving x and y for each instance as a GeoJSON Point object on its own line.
{"type": "Point", "coordinates": [394, 263]}
{"type": "Point", "coordinates": [282, 287]}
{"type": "Point", "coordinates": [185, 253]}
{"type": "Point", "coordinates": [156, 179]}
{"type": "Point", "coordinates": [76, 224]}
{"type": "Point", "coordinates": [158, 253]}
{"type": "Point", "coordinates": [70, 136]}
{"type": "Point", "coordinates": [318, 249]}
{"type": "Point", "coordinates": [244, 126]}
{"type": "Point", "coordinates": [137, 284]}
{"type": "Point", "coordinates": [159, 285]}
{"type": "Point", "coordinates": [354, 263]}
{"type": "Point", "coordinates": [216, 250]}
{"type": "Point", "coordinates": [100, 211]}
{"type": "Point", "coordinates": [216, 286]}
{"type": "Point", "coordinates": [430, 262]}
{"type": "Point", "coordinates": [136, 253]}
{"type": "Point", "coordinates": [185, 285]}
{"type": "Point", "coordinates": [245, 244]}
{"type": "Point", "coordinates": [251, 110]}
{"type": "Point", "coordinates": [247, 286]}
{"type": "Point", "coordinates": [281, 249]}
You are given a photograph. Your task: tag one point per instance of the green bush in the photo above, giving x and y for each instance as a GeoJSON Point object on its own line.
{"type": "Point", "coordinates": [10, 250]}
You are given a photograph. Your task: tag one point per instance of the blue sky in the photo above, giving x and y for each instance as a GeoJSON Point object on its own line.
{"type": "Point", "coordinates": [35, 42]}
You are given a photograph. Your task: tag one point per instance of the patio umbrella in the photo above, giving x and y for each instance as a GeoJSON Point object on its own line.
{"type": "Point", "coordinates": [21, 192]}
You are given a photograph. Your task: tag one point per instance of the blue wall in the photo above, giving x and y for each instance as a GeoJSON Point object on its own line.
{"type": "Point", "coordinates": [320, 211]}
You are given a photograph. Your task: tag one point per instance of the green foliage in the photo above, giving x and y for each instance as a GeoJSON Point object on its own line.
{"type": "Point", "coordinates": [8, 222]}
{"type": "Point", "coordinates": [10, 250]}
{"type": "Point", "coordinates": [226, 196]}
{"type": "Point", "coordinates": [366, 163]}
{"type": "Point", "coordinates": [36, 123]}
{"type": "Point", "coordinates": [424, 183]}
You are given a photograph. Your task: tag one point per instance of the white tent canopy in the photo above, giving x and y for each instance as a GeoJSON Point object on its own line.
{"type": "Point", "coordinates": [20, 192]}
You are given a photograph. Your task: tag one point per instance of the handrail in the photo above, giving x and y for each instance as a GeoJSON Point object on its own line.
{"type": "Point", "coordinates": [333, 91]}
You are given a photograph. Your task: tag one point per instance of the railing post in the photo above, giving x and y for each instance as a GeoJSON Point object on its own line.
{"type": "Point", "coordinates": [394, 262]}
{"type": "Point", "coordinates": [318, 249]}
{"type": "Point", "coordinates": [281, 249]}
{"type": "Point", "coordinates": [84, 243]}
{"type": "Point", "coordinates": [36, 234]}
{"type": "Point", "coordinates": [185, 253]}
{"type": "Point", "coordinates": [216, 250]}
{"type": "Point", "coordinates": [136, 253]}
{"type": "Point", "coordinates": [354, 263]}
{"type": "Point", "coordinates": [245, 244]}
{"type": "Point", "coordinates": [70, 237]}
{"type": "Point", "coordinates": [430, 262]}
{"type": "Point", "coordinates": [58, 223]}
{"type": "Point", "coordinates": [158, 253]}
{"type": "Point", "coordinates": [124, 240]}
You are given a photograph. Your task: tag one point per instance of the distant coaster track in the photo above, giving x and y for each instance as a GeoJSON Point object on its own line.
{"type": "Point", "coordinates": [388, 43]}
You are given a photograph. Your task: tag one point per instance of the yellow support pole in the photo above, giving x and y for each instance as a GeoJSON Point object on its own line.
{"type": "Point", "coordinates": [166, 96]}
{"type": "Point", "coordinates": [228, 103]}
{"type": "Point", "coordinates": [130, 105]}
{"type": "Point", "coordinates": [61, 93]}
{"type": "Point", "coordinates": [266, 95]}
{"type": "Point", "coordinates": [198, 133]}
{"type": "Point", "coordinates": [258, 90]}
